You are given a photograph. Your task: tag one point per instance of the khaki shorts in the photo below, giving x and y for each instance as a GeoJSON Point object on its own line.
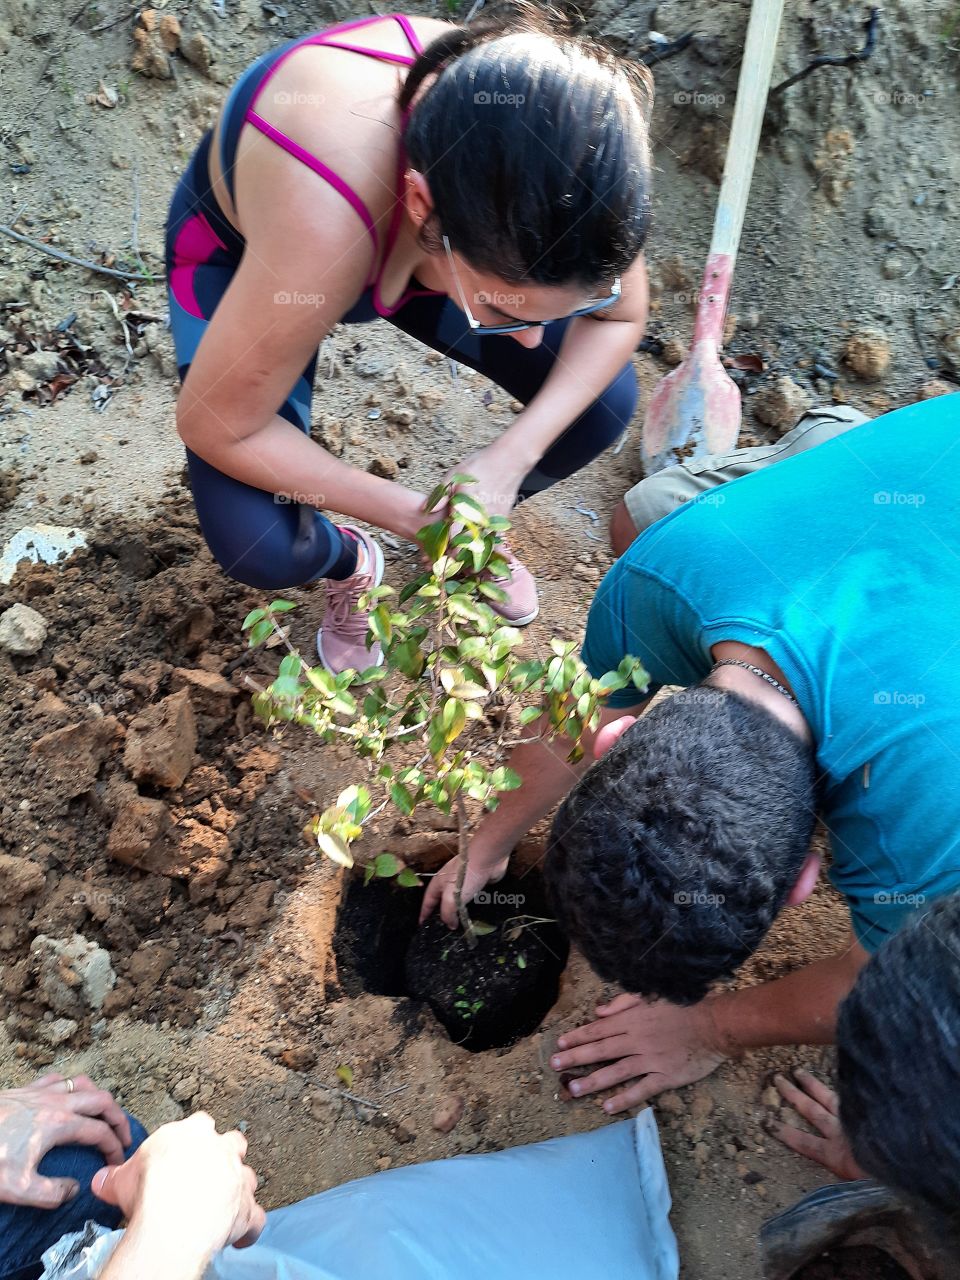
{"type": "Point", "coordinates": [659, 494]}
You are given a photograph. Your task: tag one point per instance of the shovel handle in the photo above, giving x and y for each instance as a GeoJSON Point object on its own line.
{"type": "Point", "coordinates": [755, 72]}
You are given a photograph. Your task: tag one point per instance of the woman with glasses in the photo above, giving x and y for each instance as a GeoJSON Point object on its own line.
{"type": "Point", "coordinates": [485, 189]}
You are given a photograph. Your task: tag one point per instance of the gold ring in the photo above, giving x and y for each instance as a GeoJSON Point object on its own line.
{"type": "Point", "coordinates": [70, 1085]}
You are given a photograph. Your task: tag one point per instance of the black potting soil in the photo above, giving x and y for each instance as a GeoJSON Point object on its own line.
{"type": "Point", "coordinates": [485, 996]}
{"type": "Point", "coordinates": [858, 1262]}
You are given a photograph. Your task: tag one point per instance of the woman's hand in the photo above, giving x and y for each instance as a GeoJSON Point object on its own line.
{"type": "Point", "coordinates": [44, 1115]}
{"type": "Point", "coordinates": [497, 478]}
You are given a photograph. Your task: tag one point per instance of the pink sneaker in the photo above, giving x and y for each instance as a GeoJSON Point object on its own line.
{"type": "Point", "coordinates": [342, 638]}
{"type": "Point", "coordinates": [521, 605]}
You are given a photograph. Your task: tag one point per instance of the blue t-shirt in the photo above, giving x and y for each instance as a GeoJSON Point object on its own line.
{"type": "Point", "coordinates": [842, 563]}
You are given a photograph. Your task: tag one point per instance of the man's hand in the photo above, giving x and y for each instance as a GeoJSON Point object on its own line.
{"type": "Point", "coordinates": [656, 1044]}
{"type": "Point", "coordinates": [818, 1105]}
{"type": "Point", "coordinates": [187, 1193]}
{"type": "Point", "coordinates": [442, 889]}
{"type": "Point", "coordinates": [50, 1114]}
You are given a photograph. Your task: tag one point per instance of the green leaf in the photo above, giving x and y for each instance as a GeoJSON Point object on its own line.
{"type": "Point", "coordinates": [322, 680]}
{"type": "Point", "coordinates": [281, 606]}
{"type": "Point", "coordinates": [260, 631]}
{"type": "Point", "coordinates": [437, 495]}
{"type": "Point", "coordinates": [386, 865]}
{"type": "Point", "coordinates": [253, 616]}
{"type": "Point", "coordinates": [381, 624]}
{"type": "Point", "coordinates": [492, 591]}
{"type": "Point", "coordinates": [529, 714]}
{"type": "Point", "coordinates": [505, 779]}
{"type": "Point", "coordinates": [611, 681]}
{"type": "Point", "coordinates": [458, 477]}
{"type": "Point", "coordinates": [452, 718]}
{"type": "Point", "coordinates": [291, 665]}
{"type": "Point", "coordinates": [408, 879]}
{"type": "Point", "coordinates": [346, 1075]}
{"type": "Point", "coordinates": [434, 539]}
{"type": "Point", "coordinates": [402, 798]}
{"type": "Point", "coordinates": [641, 678]}
{"type": "Point", "coordinates": [481, 928]}
{"type": "Point", "coordinates": [408, 658]}
{"type": "Point", "coordinates": [521, 962]}
{"type": "Point", "coordinates": [466, 505]}
{"type": "Point", "coordinates": [368, 873]}
{"type": "Point", "coordinates": [335, 849]}
{"type": "Point", "coordinates": [286, 687]}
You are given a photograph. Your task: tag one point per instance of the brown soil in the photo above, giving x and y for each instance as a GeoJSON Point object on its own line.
{"type": "Point", "coordinates": [142, 807]}
{"type": "Point", "coordinates": [860, 1262]}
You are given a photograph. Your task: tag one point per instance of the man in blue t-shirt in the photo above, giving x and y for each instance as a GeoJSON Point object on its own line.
{"type": "Point", "coordinates": [812, 609]}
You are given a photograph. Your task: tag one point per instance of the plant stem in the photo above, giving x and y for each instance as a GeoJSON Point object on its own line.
{"type": "Point", "coordinates": [463, 842]}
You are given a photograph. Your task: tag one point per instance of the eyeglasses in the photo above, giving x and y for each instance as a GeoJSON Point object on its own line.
{"type": "Point", "coordinates": [515, 326]}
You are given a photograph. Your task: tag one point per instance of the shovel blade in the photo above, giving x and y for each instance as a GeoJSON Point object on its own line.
{"type": "Point", "coordinates": [697, 403]}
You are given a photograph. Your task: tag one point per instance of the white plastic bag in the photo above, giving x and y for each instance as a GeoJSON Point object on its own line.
{"type": "Point", "coordinates": [593, 1205]}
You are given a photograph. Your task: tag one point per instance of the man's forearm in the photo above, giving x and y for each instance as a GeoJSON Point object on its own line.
{"type": "Point", "coordinates": [547, 777]}
{"type": "Point", "coordinates": [798, 1009]}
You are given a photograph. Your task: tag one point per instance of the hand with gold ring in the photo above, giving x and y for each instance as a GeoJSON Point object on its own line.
{"type": "Point", "coordinates": [54, 1111]}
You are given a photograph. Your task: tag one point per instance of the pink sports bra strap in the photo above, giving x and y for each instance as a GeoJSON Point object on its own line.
{"type": "Point", "coordinates": [317, 166]}
{"type": "Point", "coordinates": [324, 39]}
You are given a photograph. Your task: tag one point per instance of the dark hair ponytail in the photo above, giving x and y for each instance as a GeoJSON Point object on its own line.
{"type": "Point", "coordinates": [534, 142]}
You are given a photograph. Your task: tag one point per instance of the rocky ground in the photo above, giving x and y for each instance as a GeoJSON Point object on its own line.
{"type": "Point", "coordinates": [163, 925]}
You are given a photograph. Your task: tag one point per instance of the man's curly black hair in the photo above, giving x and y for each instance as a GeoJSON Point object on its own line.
{"type": "Point", "coordinates": [669, 860]}
{"type": "Point", "coordinates": [898, 1067]}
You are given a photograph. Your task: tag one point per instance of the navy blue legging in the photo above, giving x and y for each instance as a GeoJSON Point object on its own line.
{"type": "Point", "coordinates": [269, 543]}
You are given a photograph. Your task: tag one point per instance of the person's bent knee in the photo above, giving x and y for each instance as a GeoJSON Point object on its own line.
{"type": "Point", "coordinates": [622, 529]}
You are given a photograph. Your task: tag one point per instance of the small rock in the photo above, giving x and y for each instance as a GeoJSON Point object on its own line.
{"type": "Point", "coordinates": [770, 1097]}
{"type": "Point", "coordinates": [22, 630]}
{"type": "Point", "coordinates": [19, 877]}
{"type": "Point", "coordinates": [142, 836]}
{"type": "Point", "coordinates": [867, 353]}
{"type": "Point", "coordinates": [383, 466]}
{"type": "Point", "coordinates": [893, 267]}
{"type": "Point", "coordinates": [298, 1058]}
{"type": "Point", "coordinates": [674, 351]}
{"type": "Point", "coordinates": [254, 908]}
{"type": "Point", "coordinates": [151, 56]}
{"type": "Point", "coordinates": [42, 365]}
{"type": "Point", "coordinates": [210, 693]}
{"type": "Point", "coordinates": [880, 222]}
{"type": "Point", "coordinates": [752, 1177]}
{"type": "Point", "coordinates": [198, 51]}
{"type": "Point", "coordinates": [701, 1153]}
{"type": "Point", "coordinates": [185, 1089]}
{"type": "Point", "coordinates": [57, 1032]}
{"type": "Point", "coordinates": [148, 964]}
{"type": "Point", "coordinates": [936, 387]}
{"type": "Point", "coordinates": [671, 1103]}
{"type": "Point", "coordinates": [161, 742]}
{"type": "Point", "coordinates": [448, 1113]}
{"type": "Point", "coordinates": [73, 756]}
{"type": "Point", "coordinates": [72, 970]}
{"type": "Point", "coordinates": [781, 404]}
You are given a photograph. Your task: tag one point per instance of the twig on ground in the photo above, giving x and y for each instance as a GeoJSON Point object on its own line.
{"type": "Point", "coordinates": [59, 254]}
{"type": "Point", "coordinates": [661, 50]}
{"type": "Point", "coordinates": [354, 1097]}
{"type": "Point", "coordinates": [843, 60]}
{"type": "Point", "coordinates": [463, 842]}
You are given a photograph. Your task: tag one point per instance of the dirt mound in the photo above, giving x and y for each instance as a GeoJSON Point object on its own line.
{"type": "Point", "coordinates": [131, 775]}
